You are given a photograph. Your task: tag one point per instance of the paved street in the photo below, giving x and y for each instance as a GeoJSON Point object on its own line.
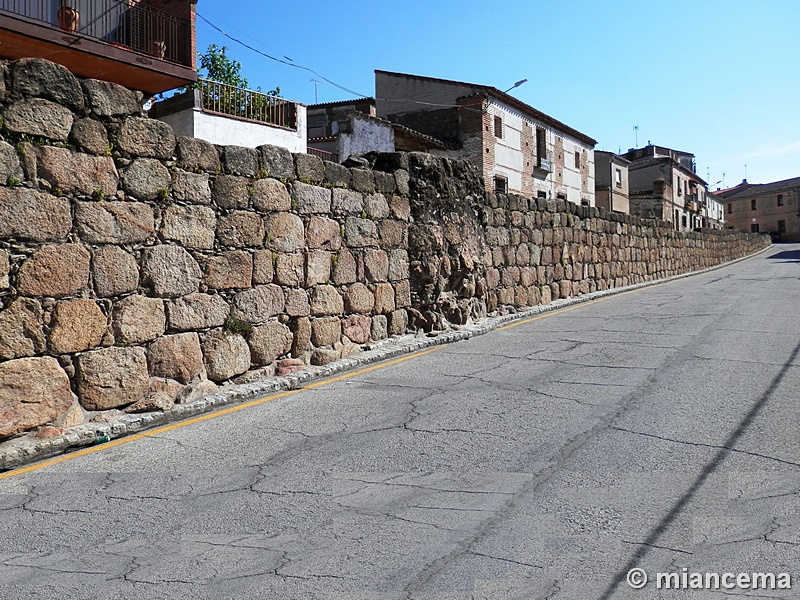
{"type": "Point", "coordinates": [657, 429]}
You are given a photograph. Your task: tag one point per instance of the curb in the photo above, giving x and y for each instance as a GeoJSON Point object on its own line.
{"type": "Point", "coordinates": [23, 451]}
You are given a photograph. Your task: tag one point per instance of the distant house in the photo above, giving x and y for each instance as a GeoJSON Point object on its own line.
{"type": "Point", "coordinates": [765, 208]}
{"type": "Point", "coordinates": [337, 130]}
{"type": "Point", "coordinates": [715, 211]}
{"type": "Point", "coordinates": [611, 182]}
{"type": "Point", "coordinates": [227, 115]}
{"type": "Point", "coordinates": [516, 147]}
{"type": "Point", "coordinates": [146, 45]}
{"type": "Point", "coordinates": [663, 185]}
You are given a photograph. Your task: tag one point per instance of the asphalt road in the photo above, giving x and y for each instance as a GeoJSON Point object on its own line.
{"type": "Point", "coordinates": [657, 429]}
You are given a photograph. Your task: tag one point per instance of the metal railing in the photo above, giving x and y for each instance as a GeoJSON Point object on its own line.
{"type": "Point", "coordinates": [132, 24]}
{"type": "Point", "coordinates": [323, 154]}
{"type": "Point", "coordinates": [247, 104]}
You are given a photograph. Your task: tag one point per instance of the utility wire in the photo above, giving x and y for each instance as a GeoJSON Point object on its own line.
{"type": "Point", "coordinates": [281, 61]}
{"type": "Point", "coordinates": [290, 63]}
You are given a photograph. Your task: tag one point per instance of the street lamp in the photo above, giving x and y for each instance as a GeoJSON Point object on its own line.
{"type": "Point", "coordinates": [516, 85]}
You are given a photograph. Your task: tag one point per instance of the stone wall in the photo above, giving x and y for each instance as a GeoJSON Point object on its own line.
{"type": "Point", "coordinates": [473, 253]}
{"type": "Point", "coordinates": [138, 269]}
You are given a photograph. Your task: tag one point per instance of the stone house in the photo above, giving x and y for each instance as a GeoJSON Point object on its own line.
{"type": "Point", "coordinates": [663, 184]}
{"type": "Point", "coordinates": [611, 182]}
{"type": "Point", "coordinates": [765, 208]}
{"type": "Point", "coordinates": [337, 130]}
{"type": "Point", "coordinates": [516, 147]}
{"type": "Point", "coordinates": [146, 45]}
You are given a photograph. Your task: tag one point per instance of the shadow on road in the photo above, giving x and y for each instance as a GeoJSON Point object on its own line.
{"type": "Point", "coordinates": [786, 256]}
{"type": "Point", "coordinates": [710, 467]}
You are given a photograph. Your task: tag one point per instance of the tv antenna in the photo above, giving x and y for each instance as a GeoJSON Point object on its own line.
{"type": "Point", "coordinates": [316, 83]}
{"type": "Point", "coordinates": [636, 131]}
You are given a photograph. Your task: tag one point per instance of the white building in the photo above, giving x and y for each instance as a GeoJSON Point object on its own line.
{"type": "Point", "coordinates": [516, 147]}
{"type": "Point", "coordinates": [225, 115]}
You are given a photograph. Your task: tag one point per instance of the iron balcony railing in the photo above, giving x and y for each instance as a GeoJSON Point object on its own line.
{"type": "Point", "coordinates": [323, 154]}
{"type": "Point", "coordinates": [247, 104]}
{"type": "Point", "coordinates": [132, 24]}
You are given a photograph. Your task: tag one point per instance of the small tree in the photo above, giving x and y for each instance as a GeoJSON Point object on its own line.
{"type": "Point", "coordinates": [218, 67]}
{"type": "Point", "coordinates": [222, 69]}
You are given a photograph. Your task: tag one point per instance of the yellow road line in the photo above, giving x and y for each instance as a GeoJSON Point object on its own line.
{"type": "Point", "coordinates": [256, 402]}
{"type": "Point", "coordinates": [211, 415]}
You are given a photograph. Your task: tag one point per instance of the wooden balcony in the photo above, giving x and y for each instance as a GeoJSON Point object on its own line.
{"type": "Point", "coordinates": [146, 45]}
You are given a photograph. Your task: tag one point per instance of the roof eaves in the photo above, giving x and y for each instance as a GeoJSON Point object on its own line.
{"type": "Point", "coordinates": [340, 102]}
{"type": "Point", "coordinates": [508, 99]}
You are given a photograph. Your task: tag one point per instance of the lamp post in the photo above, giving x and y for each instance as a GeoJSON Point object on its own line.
{"type": "Point", "coordinates": [516, 85]}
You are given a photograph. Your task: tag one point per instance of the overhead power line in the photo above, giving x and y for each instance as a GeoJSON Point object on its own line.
{"type": "Point", "coordinates": [290, 63]}
{"type": "Point", "coordinates": [282, 61]}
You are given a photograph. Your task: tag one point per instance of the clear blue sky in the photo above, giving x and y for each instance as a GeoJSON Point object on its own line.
{"type": "Point", "coordinates": [719, 78]}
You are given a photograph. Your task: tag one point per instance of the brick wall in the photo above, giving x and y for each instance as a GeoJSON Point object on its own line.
{"type": "Point", "coordinates": [767, 214]}
{"type": "Point", "coordinates": [528, 147]}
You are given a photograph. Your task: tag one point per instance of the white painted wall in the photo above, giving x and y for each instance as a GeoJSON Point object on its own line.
{"type": "Point", "coordinates": [510, 159]}
{"type": "Point", "coordinates": [715, 209]}
{"type": "Point", "coordinates": [367, 135]}
{"type": "Point", "coordinates": [182, 122]}
{"type": "Point", "coordinates": [226, 131]}
{"type": "Point", "coordinates": [514, 178]}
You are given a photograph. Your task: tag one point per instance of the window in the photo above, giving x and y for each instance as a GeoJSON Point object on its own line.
{"type": "Point", "coordinates": [753, 204]}
{"type": "Point", "coordinates": [618, 177]}
{"type": "Point", "coordinates": [577, 159]}
{"type": "Point", "coordinates": [498, 127]}
{"type": "Point", "coordinates": [730, 208]}
{"type": "Point", "coordinates": [500, 184]}
{"type": "Point", "coordinates": [780, 199]}
{"type": "Point", "coordinates": [754, 228]}
{"type": "Point", "coordinates": [541, 194]}
{"type": "Point", "coordinates": [781, 226]}
{"type": "Point", "coordinates": [680, 189]}
{"type": "Point", "coordinates": [541, 143]}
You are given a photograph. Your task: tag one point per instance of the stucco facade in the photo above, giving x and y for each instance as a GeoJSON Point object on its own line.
{"type": "Point", "coordinates": [186, 116]}
{"type": "Point", "coordinates": [611, 182]}
{"type": "Point", "coordinates": [350, 128]}
{"type": "Point", "coordinates": [663, 184]}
